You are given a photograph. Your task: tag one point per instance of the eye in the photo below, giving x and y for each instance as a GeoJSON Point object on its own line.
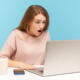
{"type": "Point", "coordinates": [38, 22]}
{"type": "Point", "coordinates": [44, 22]}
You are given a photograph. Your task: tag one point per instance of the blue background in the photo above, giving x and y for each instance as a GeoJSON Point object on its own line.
{"type": "Point", "coordinates": [64, 17]}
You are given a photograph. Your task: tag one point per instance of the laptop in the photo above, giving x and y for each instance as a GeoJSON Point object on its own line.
{"type": "Point", "coordinates": [62, 57]}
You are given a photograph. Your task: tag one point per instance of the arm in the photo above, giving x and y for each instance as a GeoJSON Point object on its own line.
{"type": "Point", "coordinates": [9, 49]}
{"type": "Point", "coordinates": [17, 64]}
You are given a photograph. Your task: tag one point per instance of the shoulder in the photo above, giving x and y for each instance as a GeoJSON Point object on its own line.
{"type": "Point", "coordinates": [12, 34]}
{"type": "Point", "coordinates": [19, 34]}
{"type": "Point", "coordinates": [46, 33]}
{"type": "Point", "coordinates": [15, 33]}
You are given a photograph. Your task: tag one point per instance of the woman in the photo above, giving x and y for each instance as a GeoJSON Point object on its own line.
{"type": "Point", "coordinates": [26, 44]}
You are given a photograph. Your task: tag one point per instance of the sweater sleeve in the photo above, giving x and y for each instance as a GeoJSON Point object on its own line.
{"type": "Point", "coordinates": [9, 47]}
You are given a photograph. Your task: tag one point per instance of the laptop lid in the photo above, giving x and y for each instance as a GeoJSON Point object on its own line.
{"type": "Point", "coordinates": [62, 57]}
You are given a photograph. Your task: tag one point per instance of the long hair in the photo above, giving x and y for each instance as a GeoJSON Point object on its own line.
{"type": "Point", "coordinates": [29, 15]}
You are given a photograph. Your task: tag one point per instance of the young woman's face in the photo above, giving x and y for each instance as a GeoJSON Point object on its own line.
{"type": "Point", "coordinates": [37, 25]}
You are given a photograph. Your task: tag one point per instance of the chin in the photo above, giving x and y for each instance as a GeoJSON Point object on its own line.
{"type": "Point", "coordinates": [36, 35]}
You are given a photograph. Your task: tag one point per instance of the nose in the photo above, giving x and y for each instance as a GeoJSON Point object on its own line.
{"type": "Point", "coordinates": [41, 26]}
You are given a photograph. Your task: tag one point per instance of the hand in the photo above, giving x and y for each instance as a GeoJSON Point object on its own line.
{"type": "Point", "coordinates": [25, 66]}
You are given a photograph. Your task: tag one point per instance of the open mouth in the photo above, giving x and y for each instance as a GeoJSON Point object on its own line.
{"type": "Point", "coordinates": [39, 30]}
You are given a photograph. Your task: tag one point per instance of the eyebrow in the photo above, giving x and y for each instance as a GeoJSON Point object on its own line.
{"type": "Point", "coordinates": [39, 20]}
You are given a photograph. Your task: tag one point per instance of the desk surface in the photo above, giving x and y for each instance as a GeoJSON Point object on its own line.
{"type": "Point", "coordinates": [31, 76]}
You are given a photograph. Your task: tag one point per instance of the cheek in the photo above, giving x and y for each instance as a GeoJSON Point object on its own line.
{"type": "Point", "coordinates": [44, 25]}
{"type": "Point", "coordinates": [33, 28]}
{"type": "Point", "coordinates": [35, 25]}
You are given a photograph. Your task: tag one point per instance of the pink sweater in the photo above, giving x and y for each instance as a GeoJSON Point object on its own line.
{"type": "Point", "coordinates": [22, 47]}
